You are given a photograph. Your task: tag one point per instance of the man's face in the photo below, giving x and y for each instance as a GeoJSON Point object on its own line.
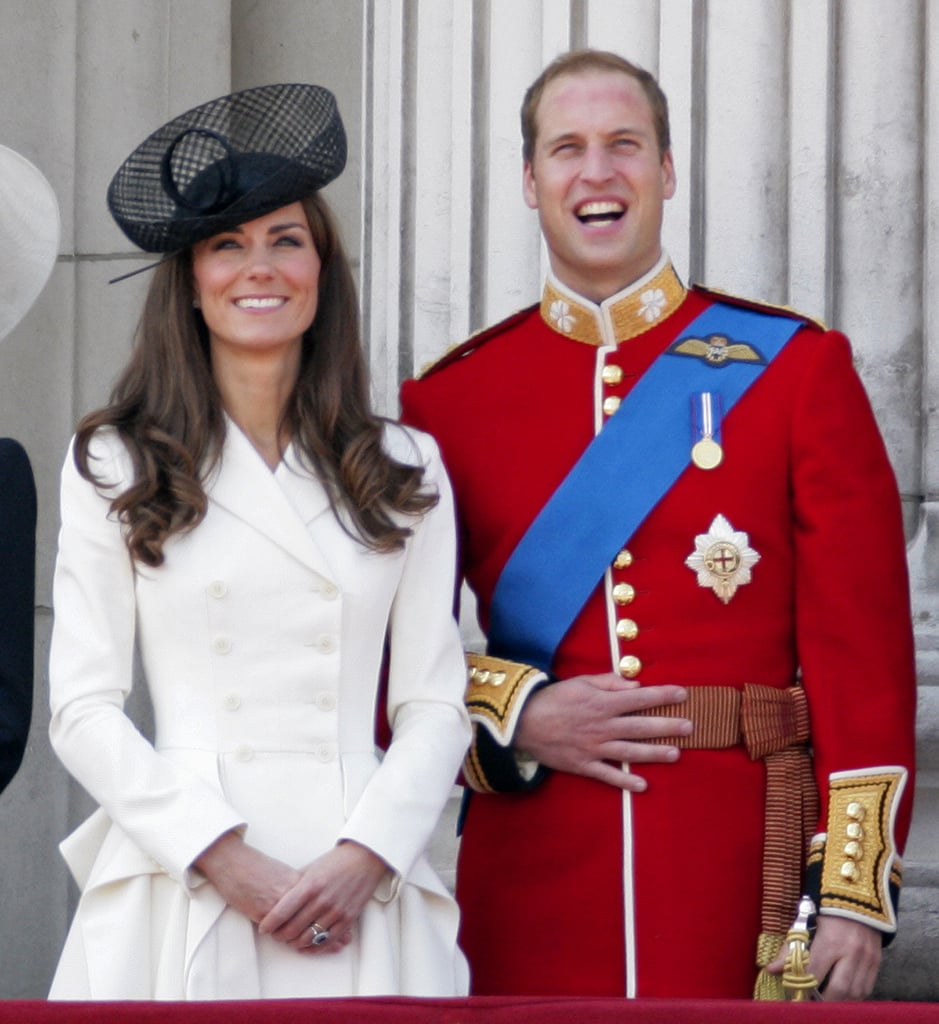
{"type": "Point", "coordinates": [598, 181]}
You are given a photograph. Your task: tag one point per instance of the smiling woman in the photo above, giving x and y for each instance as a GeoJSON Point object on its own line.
{"type": "Point", "coordinates": [257, 288]}
{"type": "Point", "coordinates": [257, 283]}
{"type": "Point", "coordinates": [241, 468]}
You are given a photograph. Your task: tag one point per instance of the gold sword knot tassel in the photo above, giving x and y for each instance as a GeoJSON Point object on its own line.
{"type": "Point", "coordinates": [798, 984]}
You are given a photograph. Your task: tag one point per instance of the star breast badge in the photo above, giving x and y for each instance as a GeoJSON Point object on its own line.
{"type": "Point", "coordinates": [722, 558]}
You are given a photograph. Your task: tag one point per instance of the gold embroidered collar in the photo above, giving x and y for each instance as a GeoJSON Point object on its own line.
{"type": "Point", "coordinates": [630, 312]}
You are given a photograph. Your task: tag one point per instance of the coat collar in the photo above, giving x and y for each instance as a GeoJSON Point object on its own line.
{"type": "Point", "coordinates": [633, 311]}
{"type": "Point", "coordinates": [282, 505]}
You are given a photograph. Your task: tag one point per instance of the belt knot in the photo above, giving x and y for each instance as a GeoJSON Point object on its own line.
{"type": "Point", "coordinates": [773, 719]}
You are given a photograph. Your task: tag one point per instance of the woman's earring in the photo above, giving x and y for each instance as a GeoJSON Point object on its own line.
{"type": "Point", "coordinates": [196, 304]}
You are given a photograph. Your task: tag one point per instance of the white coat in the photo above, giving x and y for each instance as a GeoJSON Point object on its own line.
{"type": "Point", "coordinates": [261, 638]}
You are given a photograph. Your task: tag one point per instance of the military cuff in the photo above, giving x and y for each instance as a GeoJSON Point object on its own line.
{"type": "Point", "coordinates": [495, 696]}
{"type": "Point", "coordinates": [854, 868]}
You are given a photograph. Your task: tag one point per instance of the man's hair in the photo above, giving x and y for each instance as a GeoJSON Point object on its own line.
{"type": "Point", "coordinates": [577, 62]}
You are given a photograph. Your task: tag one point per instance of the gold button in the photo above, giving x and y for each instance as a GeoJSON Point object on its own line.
{"type": "Point", "coordinates": [612, 375]}
{"type": "Point", "coordinates": [610, 405]}
{"type": "Point", "coordinates": [854, 830]}
{"type": "Point", "coordinates": [626, 629]}
{"type": "Point", "coordinates": [630, 666]}
{"type": "Point", "coordinates": [849, 871]}
{"type": "Point", "coordinates": [623, 593]}
{"type": "Point", "coordinates": [855, 810]}
{"type": "Point", "coordinates": [853, 850]}
{"type": "Point", "coordinates": [623, 560]}
{"type": "Point", "coordinates": [497, 678]}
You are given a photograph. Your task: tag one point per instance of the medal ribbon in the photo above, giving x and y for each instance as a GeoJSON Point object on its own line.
{"type": "Point", "coordinates": [623, 473]}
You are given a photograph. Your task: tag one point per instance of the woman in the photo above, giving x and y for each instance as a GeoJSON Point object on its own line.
{"type": "Point", "coordinates": [239, 512]}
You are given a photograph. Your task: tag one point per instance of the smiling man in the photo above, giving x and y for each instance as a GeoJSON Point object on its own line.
{"type": "Point", "coordinates": [697, 698]}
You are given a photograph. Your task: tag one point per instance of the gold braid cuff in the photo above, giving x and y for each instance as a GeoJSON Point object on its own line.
{"type": "Point", "coordinates": [496, 693]}
{"type": "Point", "coordinates": [495, 696]}
{"type": "Point", "coordinates": [859, 859]}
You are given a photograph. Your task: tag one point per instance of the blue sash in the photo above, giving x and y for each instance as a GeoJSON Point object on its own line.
{"type": "Point", "coordinates": [621, 476]}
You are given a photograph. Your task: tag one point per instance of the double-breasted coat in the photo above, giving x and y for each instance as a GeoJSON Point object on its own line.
{"type": "Point", "coordinates": [572, 887]}
{"type": "Point", "coordinates": [262, 638]}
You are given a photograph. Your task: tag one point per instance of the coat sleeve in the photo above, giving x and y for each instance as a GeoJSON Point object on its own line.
{"type": "Point", "coordinates": [170, 814]}
{"type": "Point", "coordinates": [854, 639]}
{"type": "Point", "coordinates": [403, 800]}
{"type": "Point", "coordinates": [17, 604]}
{"type": "Point", "coordinates": [497, 689]}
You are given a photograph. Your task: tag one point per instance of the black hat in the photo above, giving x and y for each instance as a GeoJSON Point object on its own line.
{"type": "Point", "coordinates": [225, 162]}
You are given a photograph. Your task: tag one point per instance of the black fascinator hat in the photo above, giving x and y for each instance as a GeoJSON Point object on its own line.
{"type": "Point", "coordinates": [225, 162]}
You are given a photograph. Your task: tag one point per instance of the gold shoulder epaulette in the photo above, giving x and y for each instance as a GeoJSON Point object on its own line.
{"type": "Point", "coordinates": [758, 305]}
{"type": "Point", "coordinates": [475, 340]}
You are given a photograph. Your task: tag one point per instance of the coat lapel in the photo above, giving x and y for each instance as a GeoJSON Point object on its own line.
{"type": "Point", "coordinates": [243, 484]}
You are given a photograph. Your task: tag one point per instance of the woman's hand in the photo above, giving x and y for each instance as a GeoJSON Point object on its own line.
{"type": "Point", "coordinates": [246, 879]}
{"type": "Point", "coordinates": [331, 892]}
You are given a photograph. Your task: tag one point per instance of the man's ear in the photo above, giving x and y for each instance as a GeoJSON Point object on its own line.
{"type": "Point", "coordinates": [669, 180]}
{"type": "Point", "coordinates": [529, 188]}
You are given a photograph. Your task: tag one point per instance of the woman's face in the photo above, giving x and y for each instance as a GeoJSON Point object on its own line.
{"type": "Point", "coordinates": [258, 284]}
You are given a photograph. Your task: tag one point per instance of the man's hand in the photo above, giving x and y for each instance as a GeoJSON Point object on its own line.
{"type": "Point", "coordinates": [582, 724]}
{"type": "Point", "coordinates": [844, 956]}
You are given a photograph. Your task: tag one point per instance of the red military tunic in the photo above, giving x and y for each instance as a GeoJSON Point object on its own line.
{"type": "Point", "coordinates": [574, 887]}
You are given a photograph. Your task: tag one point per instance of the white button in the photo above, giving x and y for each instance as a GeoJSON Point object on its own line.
{"type": "Point", "coordinates": [329, 591]}
{"type": "Point", "coordinates": [218, 588]}
{"type": "Point", "coordinates": [324, 752]}
{"type": "Point", "coordinates": [221, 644]}
{"type": "Point", "coordinates": [325, 643]}
{"type": "Point", "coordinates": [326, 701]}
{"type": "Point", "coordinates": [231, 702]}
{"type": "Point", "coordinates": [244, 752]}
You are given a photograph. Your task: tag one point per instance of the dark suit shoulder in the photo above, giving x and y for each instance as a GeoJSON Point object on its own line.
{"type": "Point", "coordinates": [16, 474]}
{"type": "Point", "coordinates": [13, 454]}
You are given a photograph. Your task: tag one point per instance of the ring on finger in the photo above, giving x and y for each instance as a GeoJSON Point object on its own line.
{"type": "Point", "coordinates": [319, 934]}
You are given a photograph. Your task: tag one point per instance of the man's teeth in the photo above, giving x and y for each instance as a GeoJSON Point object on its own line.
{"type": "Point", "coordinates": [268, 303]}
{"type": "Point", "coordinates": [600, 211]}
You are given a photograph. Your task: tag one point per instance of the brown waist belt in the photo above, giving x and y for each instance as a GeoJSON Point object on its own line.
{"type": "Point", "coordinates": [771, 724]}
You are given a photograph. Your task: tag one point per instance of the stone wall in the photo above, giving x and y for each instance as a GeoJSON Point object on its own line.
{"type": "Point", "coordinates": [805, 140]}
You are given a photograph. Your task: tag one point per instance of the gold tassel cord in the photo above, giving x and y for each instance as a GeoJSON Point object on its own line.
{"type": "Point", "coordinates": [768, 987]}
{"type": "Point", "coordinates": [798, 983]}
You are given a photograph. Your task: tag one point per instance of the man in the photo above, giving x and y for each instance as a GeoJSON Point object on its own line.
{"type": "Point", "coordinates": [29, 238]}
{"type": "Point", "coordinates": [692, 493]}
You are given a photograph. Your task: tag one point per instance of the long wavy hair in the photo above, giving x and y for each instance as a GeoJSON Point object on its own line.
{"type": "Point", "coordinates": [168, 411]}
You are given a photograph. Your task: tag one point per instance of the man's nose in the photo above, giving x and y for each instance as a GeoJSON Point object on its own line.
{"type": "Point", "coordinates": [597, 165]}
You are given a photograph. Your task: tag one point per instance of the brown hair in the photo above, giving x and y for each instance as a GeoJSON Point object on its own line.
{"type": "Point", "coordinates": [580, 61]}
{"type": "Point", "coordinates": [167, 410]}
